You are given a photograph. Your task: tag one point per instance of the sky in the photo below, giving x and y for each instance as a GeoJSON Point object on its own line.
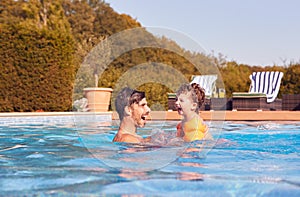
{"type": "Point", "coordinates": [252, 32]}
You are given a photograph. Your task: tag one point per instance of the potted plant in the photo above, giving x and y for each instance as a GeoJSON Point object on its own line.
{"type": "Point", "coordinates": [98, 98]}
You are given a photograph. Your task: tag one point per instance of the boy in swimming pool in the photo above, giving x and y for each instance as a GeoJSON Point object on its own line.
{"type": "Point", "coordinates": [133, 110]}
{"type": "Point", "coordinates": [190, 97]}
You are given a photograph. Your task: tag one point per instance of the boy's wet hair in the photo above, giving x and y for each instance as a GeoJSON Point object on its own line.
{"type": "Point", "coordinates": [127, 97]}
{"type": "Point", "coordinates": [197, 93]}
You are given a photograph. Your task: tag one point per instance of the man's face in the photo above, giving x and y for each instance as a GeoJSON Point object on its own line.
{"type": "Point", "coordinates": [139, 112]}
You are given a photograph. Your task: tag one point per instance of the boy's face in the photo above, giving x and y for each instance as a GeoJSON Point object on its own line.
{"type": "Point", "coordinates": [139, 112]}
{"type": "Point", "coordinates": [184, 104]}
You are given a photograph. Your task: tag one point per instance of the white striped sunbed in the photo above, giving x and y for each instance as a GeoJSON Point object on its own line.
{"type": "Point", "coordinates": [263, 84]}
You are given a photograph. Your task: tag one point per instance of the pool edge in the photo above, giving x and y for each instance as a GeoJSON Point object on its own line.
{"type": "Point", "coordinates": [173, 115]}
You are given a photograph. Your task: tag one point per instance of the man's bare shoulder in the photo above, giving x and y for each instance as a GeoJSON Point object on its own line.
{"type": "Point", "coordinates": [129, 138]}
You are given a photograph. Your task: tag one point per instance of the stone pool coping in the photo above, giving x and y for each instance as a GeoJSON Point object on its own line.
{"type": "Point", "coordinates": [173, 115]}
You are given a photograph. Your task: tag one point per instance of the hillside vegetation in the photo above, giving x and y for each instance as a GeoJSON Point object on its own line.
{"type": "Point", "coordinates": [43, 45]}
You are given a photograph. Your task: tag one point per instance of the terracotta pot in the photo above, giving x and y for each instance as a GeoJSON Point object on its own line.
{"type": "Point", "coordinates": [98, 99]}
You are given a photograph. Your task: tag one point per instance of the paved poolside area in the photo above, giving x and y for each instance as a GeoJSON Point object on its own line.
{"type": "Point", "coordinates": [172, 115]}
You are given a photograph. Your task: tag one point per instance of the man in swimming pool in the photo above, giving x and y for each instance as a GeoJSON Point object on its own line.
{"type": "Point", "coordinates": [133, 110]}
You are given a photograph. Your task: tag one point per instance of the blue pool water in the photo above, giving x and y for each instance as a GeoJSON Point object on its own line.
{"type": "Point", "coordinates": [53, 156]}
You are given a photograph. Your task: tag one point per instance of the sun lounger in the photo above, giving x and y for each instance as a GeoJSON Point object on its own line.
{"type": "Point", "coordinates": [263, 91]}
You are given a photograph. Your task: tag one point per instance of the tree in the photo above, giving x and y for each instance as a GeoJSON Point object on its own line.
{"type": "Point", "coordinates": [291, 81]}
{"type": "Point", "coordinates": [36, 59]}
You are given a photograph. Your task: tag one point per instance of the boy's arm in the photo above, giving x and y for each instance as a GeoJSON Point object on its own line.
{"type": "Point", "coordinates": [180, 132]}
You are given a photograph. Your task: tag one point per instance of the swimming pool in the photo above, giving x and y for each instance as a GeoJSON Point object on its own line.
{"type": "Point", "coordinates": [51, 156]}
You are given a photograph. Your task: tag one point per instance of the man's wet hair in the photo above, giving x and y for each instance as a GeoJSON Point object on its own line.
{"type": "Point", "coordinates": [127, 97]}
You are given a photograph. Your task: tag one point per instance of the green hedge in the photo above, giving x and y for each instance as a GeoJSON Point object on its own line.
{"type": "Point", "coordinates": [36, 69]}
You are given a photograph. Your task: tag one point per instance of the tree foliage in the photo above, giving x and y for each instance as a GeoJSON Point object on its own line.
{"type": "Point", "coordinates": [291, 82]}
{"type": "Point", "coordinates": [43, 43]}
{"type": "Point", "coordinates": [36, 58]}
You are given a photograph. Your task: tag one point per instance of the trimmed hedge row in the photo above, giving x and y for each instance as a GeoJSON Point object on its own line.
{"type": "Point", "coordinates": [36, 69]}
